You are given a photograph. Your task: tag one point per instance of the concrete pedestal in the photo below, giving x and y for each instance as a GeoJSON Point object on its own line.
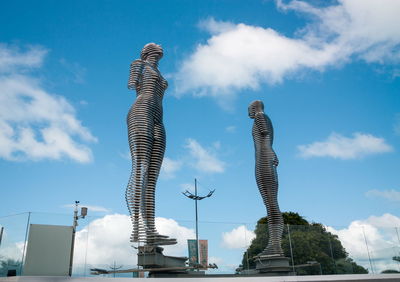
{"type": "Point", "coordinates": [152, 257]}
{"type": "Point", "coordinates": [273, 265]}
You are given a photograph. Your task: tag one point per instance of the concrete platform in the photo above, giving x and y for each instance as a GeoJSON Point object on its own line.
{"type": "Point", "coordinates": [330, 278]}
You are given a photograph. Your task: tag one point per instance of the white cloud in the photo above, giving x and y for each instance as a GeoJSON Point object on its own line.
{"type": "Point", "coordinates": [172, 228]}
{"type": "Point", "coordinates": [237, 238]}
{"type": "Point", "coordinates": [170, 167]}
{"type": "Point", "coordinates": [240, 56]}
{"type": "Point", "coordinates": [230, 129]}
{"type": "Point", "coordinates": [11, 59]}
{"type": "Point", "coordinates": [380, 236]}
{"type": "Point", "coordinates": [204, 160]}
{"type": "Point", "coordinates": [106, 240]}
{"type": "Point", "coordinates": [391, 195]}
{"type": "Point", "coordinates": [90, 208]}
{"type": "Point", "coordinates": [12, 251]}
{"type": "Point", "coordinates": [35, 124]}
{"type": "Point", "coordinates": [345, 148]}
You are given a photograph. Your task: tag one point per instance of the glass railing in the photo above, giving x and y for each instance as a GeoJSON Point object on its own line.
{"type": "Point", "coordinates": [102, 242]}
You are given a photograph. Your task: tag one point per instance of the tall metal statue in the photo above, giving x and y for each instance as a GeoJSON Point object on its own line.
{"type": "Point", "coordinates": [146, 136]}
{"type": "Point", "coordinates": [266, 176]}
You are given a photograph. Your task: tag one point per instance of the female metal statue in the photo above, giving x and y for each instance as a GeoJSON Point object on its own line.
{"type": "Point", "coordinates": [266, 176]}
{"type": "Point", "coordinates": [146, 136]}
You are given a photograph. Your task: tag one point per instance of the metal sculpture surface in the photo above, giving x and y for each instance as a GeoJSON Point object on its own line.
{"type": "Point", "coordinates": [146, 136]}
{"type": "Point", "coordinates": [266, 176]}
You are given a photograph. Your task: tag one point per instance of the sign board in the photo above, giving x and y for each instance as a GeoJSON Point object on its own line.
{"type": "Point", "coordinates": [49, 250]}
{"type": "Point", "coordinates": [203, 246]}
{"type": "Point", "coordinates": [192, 247]}
{"type": "Point", "coordinates": [193, 253]}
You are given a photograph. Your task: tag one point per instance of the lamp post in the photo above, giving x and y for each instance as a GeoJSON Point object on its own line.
{"type": "Point", "coordinates": [74, 225]}
{"type": "Point", "coordinates": [196, 198]}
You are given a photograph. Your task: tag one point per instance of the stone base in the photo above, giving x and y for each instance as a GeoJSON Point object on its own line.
{"type": "Point", "coordinates": [273, 265]}
{"type": "Point", "coordinates": [177, 274]}
{"type": "Point", "coordinates": [152, 257]}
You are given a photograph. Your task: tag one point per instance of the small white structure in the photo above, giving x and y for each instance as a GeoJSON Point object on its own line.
{"type": "Point", "coordinates": [49, 250]}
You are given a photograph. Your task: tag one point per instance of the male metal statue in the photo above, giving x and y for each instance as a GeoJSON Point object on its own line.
{"type": "Point", "coordinates": [266, 176]}
{"type": "Point", "coordinates": [146, 136]}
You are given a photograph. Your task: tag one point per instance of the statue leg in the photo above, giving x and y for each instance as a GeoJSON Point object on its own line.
{"type": "Point", "coordinates": [156, 159]}
{"type": "Point", "coordinates": [275, 219]}
{"type": "Point", "coordinates": [269, 192]}
{"type": "Point", "coordinates": [141, 146]}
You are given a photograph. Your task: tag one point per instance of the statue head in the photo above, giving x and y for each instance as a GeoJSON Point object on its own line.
{"type": "Point", "coordinates": [151, 49]}
{"type": "Point", "coordinates": [256, 107]}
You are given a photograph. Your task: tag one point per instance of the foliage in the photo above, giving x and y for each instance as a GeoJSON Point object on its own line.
{"type": "Point", "coordinates": [390, 271]}
{"type": "Point", "coordinates": [310, 242]}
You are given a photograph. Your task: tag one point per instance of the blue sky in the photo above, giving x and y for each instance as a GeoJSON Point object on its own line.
{"type": "Point", "coordinates": [327, 71]}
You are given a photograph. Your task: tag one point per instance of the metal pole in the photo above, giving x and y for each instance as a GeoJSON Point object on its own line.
{"type": "Point", "coordinates": [398, 239]}
{"type": "Point", "coordinates": [197, 222]}
{"type": "Point", "coordinates": [369, 257]}
{"type": "Point", "coordinates": [196, 198]}
{"type": "Point", "coordinates": [86, 251]}
{"type": "Point", "coordinates": [1, 234]}
{"type": "Point", "coordinates": [291, 250]}
{"type": "Point", "coordinates": [26, 238]}
{"type": "Point", "coordinates": [74, 225]}
{"type": "Point", "coordinates": [333, 260]}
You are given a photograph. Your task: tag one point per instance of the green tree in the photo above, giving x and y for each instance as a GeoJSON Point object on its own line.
{"type": "Point", "coordinates": [390, 271]}
{"type": "Point", "coordinates": [311, 242]}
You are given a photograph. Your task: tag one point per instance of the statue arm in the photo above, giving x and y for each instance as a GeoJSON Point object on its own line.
{"type": "Point", "coordinates": [135, 74]}
{"type": "Point", "coordinates": [261, 123]}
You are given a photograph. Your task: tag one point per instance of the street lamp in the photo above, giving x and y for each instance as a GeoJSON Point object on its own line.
{"type": "Point", "coordinates": [84, 211]}
{"type": "Point", "coordinates": [196, 198]}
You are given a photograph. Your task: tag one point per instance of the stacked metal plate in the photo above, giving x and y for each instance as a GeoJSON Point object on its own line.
{"type": "Point", "coordinates": [146, 135]}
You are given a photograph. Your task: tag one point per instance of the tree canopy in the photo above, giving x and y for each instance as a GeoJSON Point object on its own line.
{"type": "Point", "coordinates": [314, 249]}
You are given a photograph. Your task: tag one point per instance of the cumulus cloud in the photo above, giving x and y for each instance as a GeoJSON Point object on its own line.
{"type": "Point", "coordinates": [391, 195]}
{"type": "Point", "coordinates": [9, 248]}
{"type": "Point", "coordinates": [106, 240]}
{"type": "Point", "coordinates": [204, 159]}
{"type": "Point", "coordinates": [170, 167]}
{"type": "Point", "coordinates": [197, 156]}
{"type": "Point", "coordinates": [240, 56]}
{"type": "Point", "coordinates": [36, 124]}
{"type": "Point", "coordinates": [12, 251]}
{"type": "Point", "coordinates": [11, 59]}
{"type": "Point", "coordinates": [375, 238]}
{"type": "Point", "coordinates": [238, 238]}
{"type": "Point", "coordinates": [345, 148]}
